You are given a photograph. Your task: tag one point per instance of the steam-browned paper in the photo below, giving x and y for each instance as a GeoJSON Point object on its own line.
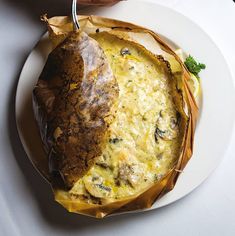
{"type": "Point", "coordinates": [58, 28]}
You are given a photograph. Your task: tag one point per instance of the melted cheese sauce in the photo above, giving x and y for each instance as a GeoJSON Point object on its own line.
{"type": "Point", "coordinates": [144, 138]}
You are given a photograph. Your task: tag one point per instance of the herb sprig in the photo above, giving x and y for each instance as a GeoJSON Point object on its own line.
{"type": "Point", "coordinates": [193, 66]}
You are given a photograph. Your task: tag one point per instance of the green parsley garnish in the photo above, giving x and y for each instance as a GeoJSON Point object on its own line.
{"type": "Point", "coordinates": [193, 66]}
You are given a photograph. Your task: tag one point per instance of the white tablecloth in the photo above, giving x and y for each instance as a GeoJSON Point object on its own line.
{"type": "Point", "coordinates": [209, 210]}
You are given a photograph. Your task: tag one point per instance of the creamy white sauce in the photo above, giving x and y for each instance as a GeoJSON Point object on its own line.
{"type": "Point", "coordinates": [132, 159]}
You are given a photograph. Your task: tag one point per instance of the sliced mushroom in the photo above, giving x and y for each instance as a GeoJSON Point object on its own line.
{"type": "Point", "coordinates": [158, 177]}
{"type": "Point", "coordinates": [125, 51]}
{"type": "Point", "coordinates": [95, 186]}
{"type": "Point", "coordinates": [175, 121]}
{"type": "Point", "coordinates": [166, 135]}
{"type": "Point", "coordinates": [104, 162]}
{"type": "Point", "coordinates": [167, 125]}
{"type": "Point", "coordinates": [115, 140]}
{"type": "Point", "coordinates": [103, 165]}
{"type": "Point", "coordinates": [131, 173]}
{"type": "Point", "coordinates": [160, 156]}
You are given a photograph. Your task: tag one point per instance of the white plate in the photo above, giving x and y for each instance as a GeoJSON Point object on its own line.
{"type": "Point", "coordinates": [217, 114]}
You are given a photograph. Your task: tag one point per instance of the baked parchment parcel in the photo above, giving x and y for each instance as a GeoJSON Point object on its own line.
{"type": "Point", "coordinates": [74, 96]}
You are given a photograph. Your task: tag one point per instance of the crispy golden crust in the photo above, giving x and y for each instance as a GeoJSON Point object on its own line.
{"type": "Point", "coordinates": [75, 93]}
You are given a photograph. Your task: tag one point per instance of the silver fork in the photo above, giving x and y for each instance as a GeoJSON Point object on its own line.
{"type": "Point", "coordinates": [76, 25]}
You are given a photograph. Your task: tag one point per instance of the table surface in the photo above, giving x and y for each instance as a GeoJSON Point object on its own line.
{"type": "Point", "coordinates": [209, 210]}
